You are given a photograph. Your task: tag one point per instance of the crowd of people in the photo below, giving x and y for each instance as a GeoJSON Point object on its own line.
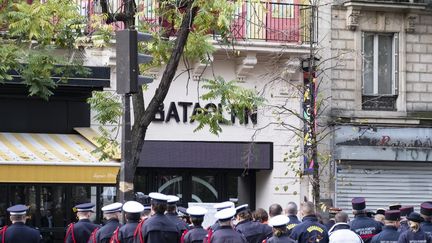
{"type": "Point", "coordinates": [163, 222]}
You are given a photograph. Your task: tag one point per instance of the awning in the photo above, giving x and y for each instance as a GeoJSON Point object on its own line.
{"type": "Point", "coordinates": [52, 158]}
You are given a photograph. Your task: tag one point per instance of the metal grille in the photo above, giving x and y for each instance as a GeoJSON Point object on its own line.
{"type": "Point", "coordinates": [383, 183]}
{"type": "Point", "coordinates": [379, 103]}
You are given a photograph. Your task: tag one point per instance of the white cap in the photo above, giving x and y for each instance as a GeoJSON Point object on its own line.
{"type": "Point", "coordinates": [158, 196]}
{"type": "Point", "coordinates": [172, 199]}
{"type": "Point", "coordinates": [223, 205]}
{"type": "Point", "coordinates": [241, 208]}
{"type": "Point", "coordinates": [133, 207]}
{"type": "Point", "coordinates": [225, 214]}
{"type": "Point", "coordinates": [279, 220]}
{"type": "Point", "coordinates": [112, 208]}
{"type": "Point", "coordinates": [196, 211]}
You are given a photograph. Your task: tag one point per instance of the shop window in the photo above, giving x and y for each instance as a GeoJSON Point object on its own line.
{"type": "Point", "coordinates": [204, 189]}
{"type": "Point", "coordinates": [380, 71]}
{"type": "Point", "coordinates": [170, 185]}
{"type": "Point", "coordinates": [3, 205]}
{"type": "Point", "coordinates": [20, 194]}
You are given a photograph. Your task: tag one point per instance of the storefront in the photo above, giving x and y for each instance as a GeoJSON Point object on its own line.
{"type": "Point", "coordinates": [383, 164]}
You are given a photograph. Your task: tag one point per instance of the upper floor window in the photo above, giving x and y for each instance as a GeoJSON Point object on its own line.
{"type": "Point", "coordinates": [380, 71]}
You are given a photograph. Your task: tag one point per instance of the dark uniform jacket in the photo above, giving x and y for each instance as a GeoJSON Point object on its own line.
{"type": "Point", "coordinates": [365, 227]}
{"type": "Point", "coordinates": [20, 233]}
{"type": "Point", "coordinates": [182, 225]}
{"type": "Point", "coordinates": [160, 229]}
{"type": "Point", "coordinates": [330, 224]}
{"type": "Point", "coordinates": [126, 233]}
{"type": "Point", "coordinates": [254, 232]}
{"type": "Point", "coordinates": [105, 233]}
{"type": "Point", "coordinates": [310, 230]}
{"type": "Point", "coordinates": [414, 237]}
{"type": "Point", "coordinates": [293, 222]}
{"type": "Point", "coordinates": [284, 238]}
{"type": "Point", "coordinates": [403, 226]}
{"type": "Point", "coordinates": [81, 231]}
{"type": "Point", "coordinates": [226, 234]}
{"type": "Point", "coordinates": [389, 234]}
{"type": "Point", "coordinates": [195, 235]}
{"type": "Point", "coordinates": [427, 227]}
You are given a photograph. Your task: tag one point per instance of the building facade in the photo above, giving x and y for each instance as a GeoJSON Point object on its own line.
{"type": "Point", "coordinates": [380, 102]}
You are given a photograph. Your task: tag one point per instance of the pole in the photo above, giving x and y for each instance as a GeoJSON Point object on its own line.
{"type": "Point", "coordinates": [126, 183]}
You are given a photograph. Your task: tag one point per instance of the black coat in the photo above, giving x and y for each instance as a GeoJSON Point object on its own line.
{"type": "Point", "coordinates": [310, 230]}
{"type": "Point", "coordinates": [21, 233]}
{"type": "Point", "coordinates": [293, 222]}
{"type": "Point", "coordinates": [105, 233]}
{"type": "Point", "coordinates": [160, 229]}
{"type": "Point", "coordinates": [365, 227]}
{"type": "Point", "coordinates": [414, 237]}
{"type": "Point", "coordinates": [195, 235]}
{"type": "Point", "coordinates": [403, 226]}
{"type": "Point", "coordinates": [81, 231]}
{"type": "Point", "coordinates": [226, 234]}
{"type": "Point", "coordinates": [389, 234]}
{"type": "Point", "coordinates": [427, 227]}
{"type": "Point", "coordinates": [182, 225]}
{"type": "Point", "coordinates": [126, 233]}
{"type": "Point", "coordinates": [254, 232]}
{"type": "Point", "coordinates": [284, 238]}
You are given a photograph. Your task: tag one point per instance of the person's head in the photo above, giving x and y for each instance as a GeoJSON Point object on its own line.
{"type": "Point", "coordinates": [133, 210]}
{"type": "Point", "coordinates": [426, 211]}
{"type": "Point", "coordinates": [18, 218]}
{"type": "Point", "coordinates": [112, 211]}
{"type": "Point", "coordinates": [405, 211]}
{"type": "Point", "coordinates": [243, 213]}
{"type": "Point", "coordinates": [260, 215]}
{"type": "Point", "coordinates": [196, 214]}
{"type": "Point", "coordinates": [341, 217]}
{"type": "Point", "coordinates": [158, 202]}
{"type": "Point", "coordinates": [84, 215]}
{"type": "Point", "coordinates": [274, 210]}
{"type": "Point", "coordinates": [225, 216]}
{"type": "Point", "coordinates": [359, 205]}
{"type": "Point", "coordinates": [116, 215]}
{"type": "Point", "coordinates": [18, 213]}
{"type": "Point", "coordinates": [279, 224]}
{"type": "Point", "coordinates": [307, 208]}
{"type": "Point", "coordinates": [392, 218]}
{"type": "Point", "coordinates": [379, 218]}
{"type": "Point", "coordinates": [414, 221]}
{"type": "Point", "coordinates": [132, 217]}
{"type": "Point", "coordinates": [172, 203]}
{"type": "Point", "coordinates": [147, 212]}
{"type": "Point", "coordinates": [84, 210]}
{"type": "Point", "coordinates": [291, 209]}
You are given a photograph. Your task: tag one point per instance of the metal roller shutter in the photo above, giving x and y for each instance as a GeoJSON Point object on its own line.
{"type": "Point", "coordinates": [383, 183]}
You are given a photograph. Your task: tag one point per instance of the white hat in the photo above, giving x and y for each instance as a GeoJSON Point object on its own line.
{"type": "Point", "coordinates": [223, 205]}
{"type": "Point", "coordinates": [225, 214]}
{"type": "Point", "coordinates": [196, 211]}
{"type": "Point", "coordinates": [18, 209]}
{"type": "Point", "coordinates": [279, 220]}
{"type": "Point", "coordinates": [133, 207]}
{"type": "Point", "coordinates": [112, 208]}
{"type": "Point", "coordinates": [242, 208]}
{"type": "Point", "coordinates": [156, 196]}
{"type": "Point", "coordinates": [172, 199]}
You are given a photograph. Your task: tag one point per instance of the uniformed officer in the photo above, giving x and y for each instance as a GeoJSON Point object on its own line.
{"type": "Point", "coordinates": [182, 212]}
{"type": "Point", "coordinates": [310, 230]}
{"type": "Point", "coordinates": [129, 232]}
{"type": "Point", "coordinates": [341, 231]}
{"type": "Point", "coordinates": [280, 230]}
{"type": "Point", "coordinates": [362, 225]}
{"type": "Point", "coordinates": [415, 234]}
{"type": "Point", "coordinates": [80, 231]}
{"type": "Point", "coordinates": [292, 211]}
{"type": "Point", "coordinates": [254, 232]}
{"type": "Point", "coordinates": [332, 214]}
{"type": "Point", "coordinates": [389, 233]}
{"type": "Point", "coordinates": [216, 226]}
{"type": "Point", "coordinates": [395, 206]}
{"type": "Point", "coordinates": [18, 232]}
{"type": "Point", "coordinates": [159, 228]}
{"type": "Point", "coordinates": [426, 213]}
{"type": "Point", "coordinates": [112, 214]}
{"type": "Point", "coordinates": [171, 213]}
{"type": "Point", "coordinates": [226, 233]}
{"type": "Point", "coordinates": [405, 211]}
{"type": "Point", "coordinates": [197, 233]}
{"type": "Point", "coordinates": [146, 213]}
{"type": "Point", "coordinates": [380, 211]}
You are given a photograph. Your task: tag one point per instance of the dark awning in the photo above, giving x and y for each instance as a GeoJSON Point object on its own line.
{"type": "Point", "coordinates": [207, 155]}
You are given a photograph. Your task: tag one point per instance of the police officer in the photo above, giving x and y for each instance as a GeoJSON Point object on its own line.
{"type": "Point", "coordinates": [362, 225]}
{"type": "Point", "coordinates": [159, 228]}
{"type": "Point", "coordinates": [216, 226]}
{"type": "Point", "coordinates": [197, 233]}
{"type": "Point", "coordinates": [130, 232]}
{"type": "Point", "coordinates": [426, 213]}
{"type": "Point", "coordinates": [310, 230]}
{"type": "Point", "coordinates": [395, 206]}
{"type": "Point", "coordinates": [226, 233]}
{"type": "Point", "coordinates": [171, 213]}
{"type": "Point", "coordinates": [414, 234]}
{"type": "Point", "coordinates": [280, 230]}
{"type": "Point", "coordinates": [332, 214]}
{"type": "Point", "coordinates": [405, 211]}
{"type": "Point", "coordinates": [18, 232]}
{"type": "Point", "coordinates": [291, 211]}
{"type": "Point", "coordinates": [80, 231]}
{"type": "Point", "coordinates": [389, 233]}
{"type": "Point", "coordinates": [254, 232]}
{"type": "Point", "coordinates": [112, 214]}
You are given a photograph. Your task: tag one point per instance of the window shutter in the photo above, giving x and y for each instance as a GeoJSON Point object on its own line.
{"type": "Point", "coordinates": [396, 63]}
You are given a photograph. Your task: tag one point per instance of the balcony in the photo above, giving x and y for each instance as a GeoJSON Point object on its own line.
{"type": "Point", "coordinates": [285, 21]}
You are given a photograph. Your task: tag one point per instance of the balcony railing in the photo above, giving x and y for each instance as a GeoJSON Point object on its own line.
{"type": "Point", "coordinates": [285, 21]}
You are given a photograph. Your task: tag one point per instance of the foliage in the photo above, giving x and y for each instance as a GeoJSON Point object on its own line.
{"type": "Point", "coordinates": [8, 56]}
{"type": "Point", "coordinates": [234, 99]}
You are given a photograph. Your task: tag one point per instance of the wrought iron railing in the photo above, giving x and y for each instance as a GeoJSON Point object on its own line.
{"type": "Point", "coordinates": [266, 21]}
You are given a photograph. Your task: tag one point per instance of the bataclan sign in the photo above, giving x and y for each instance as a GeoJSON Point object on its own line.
{"type": "Point", "coordinates": [188, 109]}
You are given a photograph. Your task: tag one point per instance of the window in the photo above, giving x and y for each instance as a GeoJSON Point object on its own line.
{"type": "Point", "coordinates": [380, 71]}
